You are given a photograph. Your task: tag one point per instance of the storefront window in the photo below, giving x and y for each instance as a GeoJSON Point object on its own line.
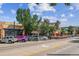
{"type": "Point", "coordinates": [9, 32]}
{"type": "Point", "coordinates": [13, 32]}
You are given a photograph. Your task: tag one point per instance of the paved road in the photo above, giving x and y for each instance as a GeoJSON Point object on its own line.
{"type": "Point", "coordinates": [4, 46]}
{"type": "Point", "coordinates": [70, 50]}
{"type": "Point", "coordinates": [31, 48]}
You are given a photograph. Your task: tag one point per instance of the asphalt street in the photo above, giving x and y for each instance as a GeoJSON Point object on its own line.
{"type": "Point", "coordinates": [70, 50]}
{"type": "Point", "coordinates": [41, 48]}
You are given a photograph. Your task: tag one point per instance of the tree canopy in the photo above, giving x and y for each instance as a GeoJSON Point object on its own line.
{"type": "Point", "coordinates": [28, 22]}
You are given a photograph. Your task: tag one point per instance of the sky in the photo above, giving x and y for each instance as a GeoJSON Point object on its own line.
{"type": "Point", "coordinates": [67, 15]}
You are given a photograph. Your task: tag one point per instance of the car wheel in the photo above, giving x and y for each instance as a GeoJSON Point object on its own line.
{"type": "Point", "coordinates": [9, 42]}
{"type": "Point", "coordinates": [44, 38]}
{"type": "Point", "coordinates": [23, 40]}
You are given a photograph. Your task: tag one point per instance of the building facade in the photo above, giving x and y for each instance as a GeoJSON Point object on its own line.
{"type": "Point", "coordinates": [10, 28]}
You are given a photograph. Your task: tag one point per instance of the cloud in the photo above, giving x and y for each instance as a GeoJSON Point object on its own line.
{"type": "Point", "coordinates": [1, 11]}
{"type": "Point", "coordinates": [31, 6]}
{"type": "Point", "coordinates": [53, 19]}
{"type": "Point", "coordinates": [41, 8]}
{"type": "Point", "coordinates": [1, 5]}
{"type": "Point", "coordinates": [50, 18]}
{"type": "Point", "coordinates": [76, 5]}
{"type": "Point", "coordinates": [71, 15]}
{"type": "Point", "coordinates": [63, 19]}
{"type": "Point", "coordinates": [62, 15]}
{"type": "Point", "coordinates": [63, 22]}
{"type": "Point", "coordinates": [13, 11]}
{"type": "Point", "coordinates": [7, 18]}
{"type": "Point", "coordinates": [37, 13]}
{"type": "Point", "coordinates": [46, 7]}
{"type": "Point", "coordinates": [71, 8]}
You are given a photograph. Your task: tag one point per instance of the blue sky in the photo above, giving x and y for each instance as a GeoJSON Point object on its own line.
{"type": "Point", "coordinates": [67, 15]}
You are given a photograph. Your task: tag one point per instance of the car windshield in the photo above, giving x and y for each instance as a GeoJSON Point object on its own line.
{"type": "Point", "coordinates": [35, 35]}
{"type": "Point", "coordinates": [7, 37]}
{"type": "Point", "coordinates": [10, 37]}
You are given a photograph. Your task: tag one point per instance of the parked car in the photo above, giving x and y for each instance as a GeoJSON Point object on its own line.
{"type": "Point", "coordinates": [8, 39]}
{"type": "Point", "coordinates": [44, 38]}
{"type": "Point", "coordinates": [33, 38]}
{"type": "Point", "coordinates": [22, 38]}
{"type": "Point", "coordinates": [37, 37]}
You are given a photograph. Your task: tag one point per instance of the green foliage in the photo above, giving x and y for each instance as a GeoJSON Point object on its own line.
{"type": "Point", "coordinates": [19, 15]}
{"type": "Point", "coordinates": [35, 22]}
{"type": "Point", "coordinates": [45, 27]}
{"type": "Point", "coordinates": [64, 31]}
{"type": "Point", "coordinates": [70, 30]}
{"type": "Point", "coordinates": [29, 22]}
{"type": "Point", "coordinates": [57, 25]}
{"type": "Point", "coordinates": [24, 17]}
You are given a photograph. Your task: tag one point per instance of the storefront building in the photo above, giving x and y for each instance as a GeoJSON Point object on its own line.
{"type": "Point", "coordinates": [10, 29]}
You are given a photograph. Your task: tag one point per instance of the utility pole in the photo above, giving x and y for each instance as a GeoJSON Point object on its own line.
{"type": "Point", "coordinates": [14, 28]}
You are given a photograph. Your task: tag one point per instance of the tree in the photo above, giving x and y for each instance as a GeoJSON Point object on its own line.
{"type": "Point", "coordinates": [77, 30]}
{"type": "Point", "coordinates": [70, 30]}
{"type": "Point", "coordinates": [52, 29]}
{"type": "Point", "coordinates": [45, 27]}
{"type": "Point", "coordinates": [57, 25]}
{"type": "Point", "coordinates": [64, 31]}
{"type": "Point", "coordinates": [24, 17]}
{"type": "Point", "coordinates": [36, 22]}
{"type": "Point", "coordinates": [29, 22]}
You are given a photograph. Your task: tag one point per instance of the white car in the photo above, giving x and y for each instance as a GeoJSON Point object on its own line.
{"type": "Point", "coordinates": [8, 39]}
{"type": "Point", "coordinates": [44, 38]}
{"type": "Point", "coordinates": [37, 38]}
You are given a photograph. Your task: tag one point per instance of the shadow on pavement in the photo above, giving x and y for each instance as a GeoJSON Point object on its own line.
{"type": "Point", "coordinates": [75, 41]}
{"type": "Point", "coordinates": [62, 54]}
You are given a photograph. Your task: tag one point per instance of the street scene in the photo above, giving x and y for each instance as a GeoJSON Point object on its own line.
{"type": "Point", "coordinates": [39, 29]}
{"type": "Point", "coordinates": [64, 47]}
